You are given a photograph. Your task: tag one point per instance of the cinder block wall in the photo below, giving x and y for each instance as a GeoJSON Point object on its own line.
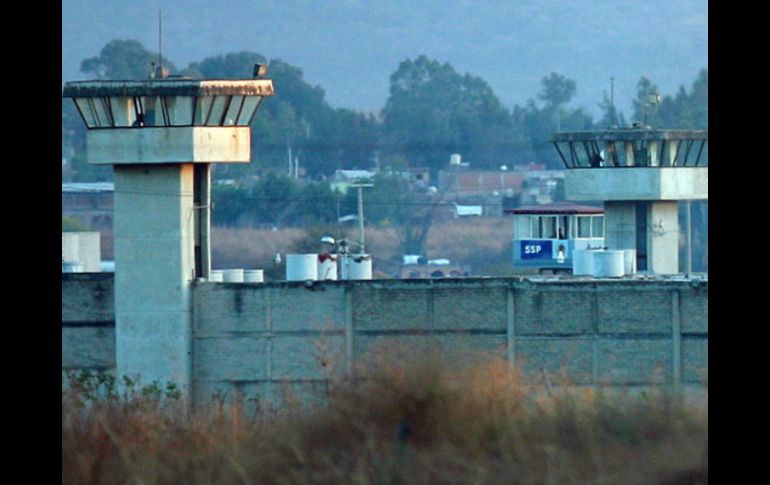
{"type": "Point", "coordinates": [277, 341]}
{"type": "Point", "coordinates": [88, 321]}
{"type": "Point", "coordinates": [269, 342]}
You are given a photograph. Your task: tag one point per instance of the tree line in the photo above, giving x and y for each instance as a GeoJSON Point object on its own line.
{"type": "Point", "coordinates": [431, 112]}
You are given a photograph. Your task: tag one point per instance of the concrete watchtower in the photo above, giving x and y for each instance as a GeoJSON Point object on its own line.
{"type": "Point", "coordinates": [640, 174]}
{"type": "Point", "coordinates": [161, 137]}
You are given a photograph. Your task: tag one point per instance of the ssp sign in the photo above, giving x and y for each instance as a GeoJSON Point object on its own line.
{"type": "Point", "coordinates": [534, 249]}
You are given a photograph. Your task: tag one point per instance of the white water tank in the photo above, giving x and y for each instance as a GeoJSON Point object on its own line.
{"type": "Point", "coordinates": [608, 263]}
{"type": "Point", "coordinates": [629, 261]}
{"type": "Point", "coordinates": [583, 262]}
{"type": "Point", "coordinates": [217, 276]}
{"type": "Point", "coordinates": [234, 275]}
{"type": "Point", "coordinates": [253, 276]}
{"type": "Point", "coordinates": [301, 267]}
{"type": "Point", "coordinates": [455, 159]}
{"type": "Point", "coordinates": [357, 267]}
{"type": "Point", "coordinates": [327, 266]}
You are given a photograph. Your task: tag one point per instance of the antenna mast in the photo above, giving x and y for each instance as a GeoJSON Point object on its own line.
{"type": "Point", "coordinates": [612, 99]}
{"type": "Point", "coordinates": [160, 42]}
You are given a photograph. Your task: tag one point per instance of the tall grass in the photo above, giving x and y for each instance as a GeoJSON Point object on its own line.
{"type": "Point", "coordinates": [405, 423]}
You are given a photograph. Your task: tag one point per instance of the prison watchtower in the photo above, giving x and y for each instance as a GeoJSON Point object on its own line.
{"type": "Point", "coordinates": [640, 174]}
{"type": "Point", "coordinates": [161, 136]}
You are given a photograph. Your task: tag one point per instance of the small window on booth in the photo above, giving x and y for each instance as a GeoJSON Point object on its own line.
{"type": "Point", "coordinates": [202, 109]}
{"type": "Point", "coordinates": [250, 104]}
{"type": "Point", "coordinates": [563, 231]}
{"type": "Point", "coordinates": [217, 113]}
{"type": "Point", "coordinates": [96, 112]}
{"type": "Point", "coordinates": [86, 111]}
{"type": "Point", "coordinates": [598, 226]}
{"type": "Point", "coordinates": [153, 114]}
{"type": "Point", "coordinates": [122, 111]}
{"type": "Point", "coordinates": [523, 227]}
{"type": "Point", "coordinates": [548, 227]}
{"type": "Point", "coordinates": [537, 229]}
{"type": "Point", "coordinates": [584, 226]}
{"type": "Point", "coordinates": [233, 109]}
{"type": "Point", "coordinates": [178, 110]}
{"type": "Point", "coordinates": [103, 112]}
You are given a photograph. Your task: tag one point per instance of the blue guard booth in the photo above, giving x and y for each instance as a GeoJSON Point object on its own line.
{"type": "Point", "coordinates": [545, 236]}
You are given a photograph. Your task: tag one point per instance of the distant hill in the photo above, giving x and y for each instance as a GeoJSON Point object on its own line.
{"type": "Point", "coordinates": [351, 47]}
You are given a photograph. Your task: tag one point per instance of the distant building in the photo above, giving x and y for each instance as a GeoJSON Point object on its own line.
{"type": "Point", "coordinates": [468, 210]}
{"type": "Point", "coordinates": [82, 249]}
{"type": "Point", "coordinates": [420, 175]}
{"type": "Point", "coordinates": [496, 189]}
{"type": "Point", "coordinates": [343, 179]}
{"type": "Point", "coordinates": [91, 203]}
{"type": "Point", "coordinates": [538, 185]}
{"type": "Point", "coordinates": [463, 183]}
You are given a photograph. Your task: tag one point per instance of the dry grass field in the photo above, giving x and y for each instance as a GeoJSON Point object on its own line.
{"type": "Point", "coordinates": [403, 424]}
{"type": "Point", "coordinates": [482, 242]}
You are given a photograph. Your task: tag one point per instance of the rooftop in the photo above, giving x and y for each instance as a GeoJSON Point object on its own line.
{"type": "Point", "coordinates": [169, 86]}
{"type": "Point", "coordinates": [96, 187]}
{"type": "Point", "coordinates": [565, 208]}
{"type": "Point", "coordinates": [630, 134]}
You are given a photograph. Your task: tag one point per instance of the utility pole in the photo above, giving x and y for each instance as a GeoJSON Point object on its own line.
{"type": "Point", "coordinates": [688, 218]}
{"type": "Point", "coordinates": [291, 164]}
{"type": "Point", "coordinates": [360, 187]}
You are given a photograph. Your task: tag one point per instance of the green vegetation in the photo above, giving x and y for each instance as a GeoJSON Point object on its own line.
{"type": "Point", "coordinates": [401, 423]}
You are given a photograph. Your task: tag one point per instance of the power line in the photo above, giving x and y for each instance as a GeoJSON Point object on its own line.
{"type": "Point", "coordinates": [329, 200]}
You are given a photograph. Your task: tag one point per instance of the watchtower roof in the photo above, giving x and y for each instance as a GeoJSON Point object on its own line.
{"type": "Point", "coordinates": [631, 134]}
{"type": "Point", "coordinates": [169, 86]}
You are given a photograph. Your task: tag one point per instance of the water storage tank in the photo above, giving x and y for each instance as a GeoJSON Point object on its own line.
{"type": "Point", "coordinates": [253, 276]}
{"type": "Point", "coordinates": [583, 262]}
{"type": "Point", "coordinates": [234, 275]}
{"type": "Point", "coordinates": [455, 159]}
{"type": "Point", "coordinates": [629, 261]}
{"type": "Point", "coordinates": [327, 266]}
{"type": "Point", "coordinates": [608, 263]}
{"type": "Point", "coordinates": [217, 276]}
{"type": "Point", "coordinates": [301, 267]}
{"type": "Point", "coordinates": [357, 267]}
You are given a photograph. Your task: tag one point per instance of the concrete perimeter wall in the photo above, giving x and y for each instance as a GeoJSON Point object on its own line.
{"type": "Point", "coordinates": [276, 341]}
{"type": "Point", "coordinates": [267, 342]}
{"type": "Point", "coordinates": [88, 321]}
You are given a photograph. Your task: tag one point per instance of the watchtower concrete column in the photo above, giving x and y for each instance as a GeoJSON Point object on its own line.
{"type": "Point", "coordinates": [155, 264]}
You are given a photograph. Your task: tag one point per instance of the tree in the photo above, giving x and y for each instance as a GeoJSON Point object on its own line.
{"type": "Point", "coordinates": [537, 124]}
{"type": "Point", "coordinates": [123, 60]}
{"type": "Point", "coordinates": [234, 65]}
{"type": "Point", "coordinates": [644, 110]}
{"type": "Point", "coordinates": [433, 111]}
{"type": "Point", "coordinates": [686, 110]}
{"type": "Point", "coordinates": [610, 114]}
{"type": "Point", "coordinates": [229, 203]}
{"type": "Point", "coordinates": [557, 91]}
{"type": "Point", "coordinates": [297, 123]}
